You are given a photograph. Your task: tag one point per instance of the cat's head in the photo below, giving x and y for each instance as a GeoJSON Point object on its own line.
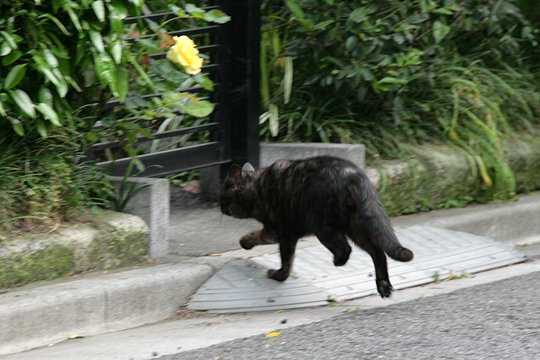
{"type": "Point", "coordinates": [237, 195]}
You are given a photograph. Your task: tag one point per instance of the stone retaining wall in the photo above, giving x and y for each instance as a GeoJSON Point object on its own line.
{"type": "Point", "coordinates": [440, 176]}
{"type": "Point", "coordinates": [102, 242]}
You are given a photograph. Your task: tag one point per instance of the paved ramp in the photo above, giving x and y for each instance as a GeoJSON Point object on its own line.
{"type": "Point", "coordinates": [242, 285]}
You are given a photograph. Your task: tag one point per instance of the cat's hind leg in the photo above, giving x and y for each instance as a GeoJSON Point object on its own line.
{"type": "Point", "coordinates": [384, 287]}
{"type": "Point", "coordinates": [337, 244]}
{"type": "Point", "coordinates": [257, 237]}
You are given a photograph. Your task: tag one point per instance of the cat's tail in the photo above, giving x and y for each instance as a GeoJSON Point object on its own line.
{"type": "Point", "coordinates": [371, 223]}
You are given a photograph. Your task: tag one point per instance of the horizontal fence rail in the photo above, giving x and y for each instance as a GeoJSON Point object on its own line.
{"type": "Point", "coordinates": [182, 159]}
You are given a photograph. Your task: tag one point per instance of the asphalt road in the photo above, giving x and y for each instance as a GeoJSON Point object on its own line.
{"type": "Point", "coordinates": [500, 320]}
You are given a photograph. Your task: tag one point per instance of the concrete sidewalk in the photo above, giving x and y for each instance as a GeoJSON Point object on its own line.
{"type": "Point", "coordinates": [202, 242]}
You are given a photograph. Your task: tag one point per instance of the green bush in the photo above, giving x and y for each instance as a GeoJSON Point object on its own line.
{"type": "Point", "coordinates": [56, 55]}
{"type": "Point", "coordinates": [43, 182]}
{"type": "Point", "coordinates": [393, 73]}
{"type": "Point", "coordinates": [56, 58]}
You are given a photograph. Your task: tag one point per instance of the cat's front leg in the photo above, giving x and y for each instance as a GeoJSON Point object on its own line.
{"type": "Point", "coordinates": [257, 237]}
{"type": "Point", "coordinates": [287, 247]}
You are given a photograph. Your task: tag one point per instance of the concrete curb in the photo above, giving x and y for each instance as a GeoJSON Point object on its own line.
{"type": "Point", "coordinates": [514, 222]}
{"type": "Point", "coordinates": [42, 315]}
{"type": "Point", "coordinates": [93, 305]}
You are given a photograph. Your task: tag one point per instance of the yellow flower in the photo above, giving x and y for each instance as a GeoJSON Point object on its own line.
{"type": "Point", "coordinates": [185, 53]}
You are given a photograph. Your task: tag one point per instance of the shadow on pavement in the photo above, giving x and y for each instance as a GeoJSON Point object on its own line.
{"type": "Point", "coordinates": [198, 228]}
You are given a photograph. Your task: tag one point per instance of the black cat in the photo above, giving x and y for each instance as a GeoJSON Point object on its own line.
{"type": "Point", "coordinates": [328, 197]}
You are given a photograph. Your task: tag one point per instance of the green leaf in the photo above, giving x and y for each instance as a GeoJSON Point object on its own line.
{"type": "Point", "coordinates": [358, 15]}
{"type": "Point", "coordinates": [50, 58]}
{"type": "Point", "coordinates": [386, 83]}
{"type": "Point", "coordinates": [264, 117]}
{"type": "Point", "coordinates": [117, 25]}
{"type": "Point", "coordinates": [118, 12]}
{"type": "Point", "coordinates": [11, 57]}
{"type": "Point", "coordinates": [2, 109]}
{"type": "Point", "coordinates": [323, 25]}
{"type": "Point", "coordinates": [45, 96]}
{"type": "Point", "coordinates": [73, 83]}
{"type": "Point", "coordinates": [392, 80]}
{"type": "Point", "coordinates": [5, 49]}
{"type": "Point", "coordinates": [138, 3]}
{"type": "Point", "coordinates": [14, 77]}
{"type": "Point", "coordinates": [116, 51]}
{"type": "Point", "coordinates": [23, 101]}
{"type": "Point", "coordinates": [178, 11]}
{"type": "Point", "coordinates": [196, 107]}
{"type": "Point", "coordinates": [41, 128]}
{"type": "Point", "coordinates": [99, 10]}
{"type": "Point", "coordinates": [287, 79]}
{"type": "Point", "coordinates": [58, 81]}
{"type": "Point", "coordinates": [194, 10]}
{"type": "Point", "coordinates": [295, 9]}
{"type": "Point", "coordinates": [444, 11]}
{"type": "Point", "coordinates": [97, 41]}
{"type": "Point", "coordinates": [440, 31]}
{"type": "Point", "coordinates": [273, 119]}
{"type": "Point", "coordinates": [123, 81]}
{"type": "Point", "coordinates": [57, 22]}
{"type": "Point", "coordinates": [62, 84]}
{"type": "Point", "coordinates": [138, 164]}
{"type": "Point", "coordinates": [11, 42]}
{"type": "Point", "coordinates": [217, 16]}
{"type": "Point", "coordinates": [205, 82]}
{"type": "Point", "coordinates": [104, 68]}
{"type": "Point", "coordinates": [49, 113]}
{"type": "Point", "coordinates": [200, 108]}
{"type": "Point", "coordinates": [17, 126]}
{"type": "Point", "coordinates": [74, 19]}
{"type": "Point", "coordinates": [351, 42]}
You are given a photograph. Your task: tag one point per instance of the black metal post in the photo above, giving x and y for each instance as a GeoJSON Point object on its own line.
{"type": "Point", "coordinates": [243, 98]}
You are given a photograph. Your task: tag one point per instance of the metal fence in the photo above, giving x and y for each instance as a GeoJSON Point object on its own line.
{"type": "Point", "coordinates": [232, 128]}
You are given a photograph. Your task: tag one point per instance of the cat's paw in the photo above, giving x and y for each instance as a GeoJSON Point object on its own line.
{"type": "Point", "coordinates": [341, 259]}
{"type": "Point", "coordinates": [277, 275]}
{"type": "Point", "coordinates": [246, 244]}
{"type": "Point", "coordinates": [384, 288]}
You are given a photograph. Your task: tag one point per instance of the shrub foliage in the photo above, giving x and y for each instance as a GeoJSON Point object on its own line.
{"type": "Point", "coordinates": [393, 73]}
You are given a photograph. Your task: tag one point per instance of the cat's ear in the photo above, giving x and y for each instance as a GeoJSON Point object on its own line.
{"type": "Point", "coordinates": [247, 169]}
{"type": "Point", "coordinates": [235, 171]}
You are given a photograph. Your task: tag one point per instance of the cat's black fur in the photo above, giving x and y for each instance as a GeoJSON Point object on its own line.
{"type": "Point", "coordinates": [328, 197]}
